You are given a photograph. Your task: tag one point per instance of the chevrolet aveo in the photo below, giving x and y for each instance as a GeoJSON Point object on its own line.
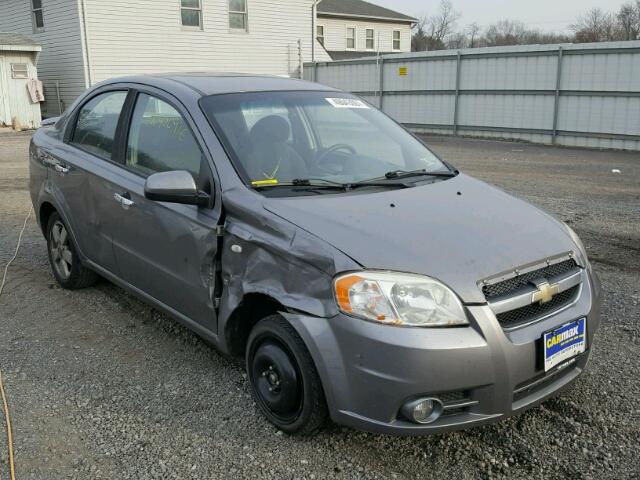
{"type": "Point", "coordinates": [361, 277]}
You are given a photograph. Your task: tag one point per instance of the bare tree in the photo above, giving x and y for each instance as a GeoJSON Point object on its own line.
{"type": "Point", "coordinates": [431, 32]}
{"type": "Point", "coordinates": [473, 32]}
{"type": "Point", "coordinates": [629, 20]}
{"type": "Point", "coordinates": [439, 31]}
{"type": "Point", "coordinates": [506, 32]}
{"type": "Point", "coordinates": [595, 26]}
{"type": "Point", "coordinates": [456, 41]}
{"type": "Point", "coordinates": [419, 36]}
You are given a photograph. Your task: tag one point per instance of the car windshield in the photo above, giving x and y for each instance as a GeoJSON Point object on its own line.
{"type": "Point", "coordinates": [311, 138]}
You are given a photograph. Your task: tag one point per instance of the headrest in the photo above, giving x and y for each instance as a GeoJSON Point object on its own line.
{"type": "Point", "coordinates": [271, 129]}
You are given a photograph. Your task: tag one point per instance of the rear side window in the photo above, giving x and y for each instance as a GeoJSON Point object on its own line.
{"type": "Point", "coordinates": [160, 139]}
{"type": "Point", "coordinates": [97, 122]}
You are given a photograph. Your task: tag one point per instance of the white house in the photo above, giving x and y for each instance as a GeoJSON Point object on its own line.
{"type": "Point", "coordinates": [86, 41]}
{"type": "Point", "coordinates": [18, 59]}
{"type": "Point", "coordinates": [355, 28]}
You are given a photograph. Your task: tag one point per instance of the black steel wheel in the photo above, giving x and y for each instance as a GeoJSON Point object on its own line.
{"type": "Point", "coordinates": [283, 378]}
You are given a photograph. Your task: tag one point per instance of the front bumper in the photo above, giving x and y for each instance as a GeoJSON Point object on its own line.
{"type": "Point", "coordinates": [369, 370]}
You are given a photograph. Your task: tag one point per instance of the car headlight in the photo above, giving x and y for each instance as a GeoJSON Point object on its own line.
{"type": "Point", "coordinates": [398, 299]}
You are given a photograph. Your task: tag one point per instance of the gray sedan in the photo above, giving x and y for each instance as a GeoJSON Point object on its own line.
{"type": "Point", "coordinates": [362, 278]}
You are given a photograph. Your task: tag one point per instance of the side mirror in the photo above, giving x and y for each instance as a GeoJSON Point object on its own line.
{"type": "Point", "coordinates": [174, 187]}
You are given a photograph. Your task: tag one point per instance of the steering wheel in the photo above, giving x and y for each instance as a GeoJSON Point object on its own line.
{"type": "Point", "coordinates": [335, 148]}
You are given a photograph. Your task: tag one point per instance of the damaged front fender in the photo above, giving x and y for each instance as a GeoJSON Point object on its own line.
{"type": "Point", "coordinates": [265, 254]}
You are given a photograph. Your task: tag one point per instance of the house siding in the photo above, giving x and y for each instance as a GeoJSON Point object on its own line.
{"type": "Point", "coordinates": [146, 36]}
{"type": "Point", "coordinates": [335, 34]}
{"type": "Point", "coordinates": [62, 47]}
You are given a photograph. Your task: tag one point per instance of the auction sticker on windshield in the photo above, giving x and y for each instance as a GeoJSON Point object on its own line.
{"type": "Point", "coordinates": [564, 343]}
{"type": "Point", "coordinates": [347, 103]}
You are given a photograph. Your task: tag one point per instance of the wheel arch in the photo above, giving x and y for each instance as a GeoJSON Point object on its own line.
{"type": "Point", "coordinates": [253, 307]}
{"type": "Point", "coordinates": [44, 214]}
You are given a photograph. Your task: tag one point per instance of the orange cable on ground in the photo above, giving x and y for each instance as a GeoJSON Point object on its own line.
{"type": "Point", "coordinates": [5, 405]}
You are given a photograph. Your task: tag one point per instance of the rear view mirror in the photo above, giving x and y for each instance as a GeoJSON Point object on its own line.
{"type": "Point", "coordinates": [174, 187]}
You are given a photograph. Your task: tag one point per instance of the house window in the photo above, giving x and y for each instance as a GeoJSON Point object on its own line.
{"type": "Point", "coordinates": [351, 38]}
{"type": "Point", "coordinates": [320, 34]}
{"type": "Point", "coordinates": [191, 13]}
{"type": "Point", "coordinates": [238, 15]}
{"type": "Point", "coordinates": [37, 16]}
{"type": "Point", "coordinates": [370, 37]}
{"type": "Point", "coordinates": [19, 70]}
{"type": "Point", "coordinates": [396, 40]}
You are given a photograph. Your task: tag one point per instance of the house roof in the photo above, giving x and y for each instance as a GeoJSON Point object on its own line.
{"type": "Point", "coordinates": [361, 9]}
{"type": "Point", "coordinates": [18, 42]}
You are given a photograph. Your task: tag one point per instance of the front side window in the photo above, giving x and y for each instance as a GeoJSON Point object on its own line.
{"type": "Point", "coordinates": [278, 137]}
{"type": "Point", "coordinates": [97, 121]}
{"type": "Point", "coordinates": [238, 18]}
{"type": "Point", "coordinates": [370, 37]}
{"type": "Point", "coordinates": [19, 70]}
{"type": "Point", "coordinates": [396, 39]}
{"type": "Point", "coordinates": [160, 139]}
{"type": "Point", "coordinates": [320, 34]}
{"type": "Point", "coordinates": [351, 38]}
{"type": "Point", "coordinates": [191, 13]}
{"type": "Point", "coordinates": [37, 16]}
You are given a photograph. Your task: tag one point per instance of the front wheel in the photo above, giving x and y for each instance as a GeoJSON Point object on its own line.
{"type": "Point", "coordinates": [283, 378]}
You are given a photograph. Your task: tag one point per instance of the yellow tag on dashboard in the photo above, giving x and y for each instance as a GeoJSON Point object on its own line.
{"type": "Point", "coordinates": [262, 183]}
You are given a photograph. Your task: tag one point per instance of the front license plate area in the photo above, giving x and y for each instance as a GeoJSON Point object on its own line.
{"type": "Point", "coordinates": [564, 342]}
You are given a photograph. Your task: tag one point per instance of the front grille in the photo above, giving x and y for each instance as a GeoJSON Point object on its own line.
{"type": "Point", "coordinates": [508, 286]}
{"type": "Point", "coordinates": [535, 311]}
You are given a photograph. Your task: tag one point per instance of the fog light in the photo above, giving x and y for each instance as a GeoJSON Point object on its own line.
{"type": "Point", "coordinates": [423, 410]}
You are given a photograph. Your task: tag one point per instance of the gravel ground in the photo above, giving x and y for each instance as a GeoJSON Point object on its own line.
{"type": "Point", "coordinates": [102, 386]}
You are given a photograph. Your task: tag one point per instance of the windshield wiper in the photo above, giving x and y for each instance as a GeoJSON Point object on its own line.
{"type": "Point", "coordinates": [394, 174]}
{"type": "Point", "coordinates": [320, 183]}
{"type": "Point", "coordinates": [387, 179]}
{"type": "Point", "coordinates": [304, 182]}
{"type": "Point", "coordinates": [310, 182]}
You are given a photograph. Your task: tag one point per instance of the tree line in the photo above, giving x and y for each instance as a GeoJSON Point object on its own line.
{"type": "Point", "coordinates": [441, 30]}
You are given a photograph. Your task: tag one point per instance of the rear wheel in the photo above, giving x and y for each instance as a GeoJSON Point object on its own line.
{"type": "Point", "coordinates": [65, 263]}
{"type": "Point", "coordinates": [283, 378]}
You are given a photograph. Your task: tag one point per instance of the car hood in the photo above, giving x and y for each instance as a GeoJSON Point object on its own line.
{"type": "Point", "coordinates": [459, 231]}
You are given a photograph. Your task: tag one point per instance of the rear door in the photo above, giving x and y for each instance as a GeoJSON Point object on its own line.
{"type": "Point", "coordinates": [88, 150]}
{"type": "Point", "coordinates": [166, 250]}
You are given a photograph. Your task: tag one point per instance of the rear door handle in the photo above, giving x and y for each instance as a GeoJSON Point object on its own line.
{"type": "Point", "coordinates": [124, 201]}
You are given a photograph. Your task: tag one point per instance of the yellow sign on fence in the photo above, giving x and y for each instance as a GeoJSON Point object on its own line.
{"type": "Point", "coordinates": [403, 71]}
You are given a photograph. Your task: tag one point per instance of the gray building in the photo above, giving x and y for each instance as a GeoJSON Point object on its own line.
{"type": "Point", "coordinates": [18, 60]}
{"type": "Point", "coordinates": [86, 41]}
{"type": "Point", "coordinates": [355, 28]}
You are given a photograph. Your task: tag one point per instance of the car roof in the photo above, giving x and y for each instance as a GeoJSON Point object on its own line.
{"type": "Point", "coordinates": [207, 83]}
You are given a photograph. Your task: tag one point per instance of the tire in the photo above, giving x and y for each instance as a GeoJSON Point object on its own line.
{"type": "Point", "coordinates": [283, 378]}
{"type": "Point", "coordinates": [63, 257]}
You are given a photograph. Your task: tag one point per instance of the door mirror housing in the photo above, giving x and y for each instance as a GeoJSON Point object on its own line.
{"type": "Point", "coordinates": [175, 187]}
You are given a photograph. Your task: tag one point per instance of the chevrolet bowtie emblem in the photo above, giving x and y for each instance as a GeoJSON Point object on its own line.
{"type": "Point", "coordinates": [545, 292]}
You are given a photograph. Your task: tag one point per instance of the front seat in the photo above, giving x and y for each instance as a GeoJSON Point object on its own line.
{"type": "Point", "coordinates": [271, 156]}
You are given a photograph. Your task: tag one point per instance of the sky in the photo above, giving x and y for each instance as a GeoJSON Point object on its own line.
{"type": "Point", "coordinates": [552, 15]}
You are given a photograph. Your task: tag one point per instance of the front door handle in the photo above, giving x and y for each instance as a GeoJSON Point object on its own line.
{"type": "Point", "coordinates": [124, 201]}
{"type": "Point", "coordinates": [61, 168]}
